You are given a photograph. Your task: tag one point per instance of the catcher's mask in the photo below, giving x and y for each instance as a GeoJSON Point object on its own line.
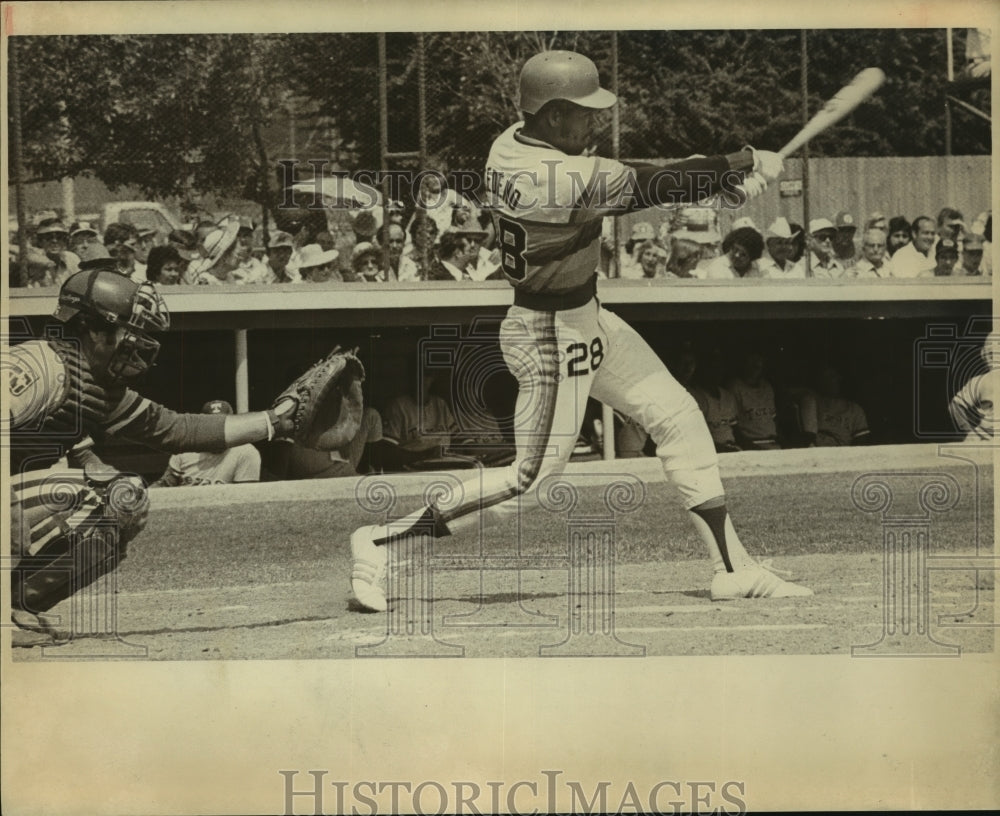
{"type": "Point", "coordinates": [133, 309]}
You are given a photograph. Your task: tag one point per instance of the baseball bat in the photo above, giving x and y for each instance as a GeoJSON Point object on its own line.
{"type": "Point", "coordinates": [837, 107]}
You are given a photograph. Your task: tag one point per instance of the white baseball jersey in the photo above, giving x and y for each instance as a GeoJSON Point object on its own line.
{"type": "Point", "coordinates": [720, 413]}
{"type": "Point", "coordinates": [756, 410]}
{"type": "Point", "coordinates": [839, 421]}
{"type": "Point", "coordinates": [549, 206]}
{"type": "Point", "coordinates": [973, 408]}
{"type": "Point", "coordinates": [238, 464]}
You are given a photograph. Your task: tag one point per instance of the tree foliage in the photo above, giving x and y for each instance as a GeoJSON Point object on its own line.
{"type": "Point", "coordinates": [176, 114]}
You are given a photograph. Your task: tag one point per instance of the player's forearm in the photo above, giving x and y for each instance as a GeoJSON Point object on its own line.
{"type": "Point", "coordinates": [253, 427]}
{"type": "Point", "coordinates": [691, 180]}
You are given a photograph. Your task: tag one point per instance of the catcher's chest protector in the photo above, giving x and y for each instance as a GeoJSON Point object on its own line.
{"type": "Point", "coordinates": [79, 413]}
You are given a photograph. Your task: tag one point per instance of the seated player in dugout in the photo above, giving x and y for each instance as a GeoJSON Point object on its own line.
{"type": "Point", "coordinates": [549, 195]}
{"type": "Point", "coordinates": [284, 459]}
{"type": "Point", "coordinates": [62, 390]}
{"type": "Point", "coordinates": [240, 463]}
{"type": "Point", "coordinates": [421, 429]}
{"type": "Point", "coordinates": [418, 425]}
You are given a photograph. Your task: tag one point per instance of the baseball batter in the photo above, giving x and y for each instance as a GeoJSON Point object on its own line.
{"type": "Point", "coordinates": [549, 196]}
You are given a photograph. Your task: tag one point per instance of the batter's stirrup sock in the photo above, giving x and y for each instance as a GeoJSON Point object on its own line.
{"type": "Point", "coordinates": [427, 521]}
{"type": "Point", "coordinates": [715, 518]}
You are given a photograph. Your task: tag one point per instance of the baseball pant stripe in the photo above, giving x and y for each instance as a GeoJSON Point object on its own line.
{"type": "Point", "coordinates": [47, 507]}
{"type": "Point", "coordinates": [531, 452]}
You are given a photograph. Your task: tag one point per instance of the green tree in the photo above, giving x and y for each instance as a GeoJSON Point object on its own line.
{"type": "Point", "coordinates": [170, 114]}
{"type": "Point", "coordinates": [177, 114]}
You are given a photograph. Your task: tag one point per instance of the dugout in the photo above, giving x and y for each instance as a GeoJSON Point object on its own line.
{"type": "Point", "coordinates": [903, 346]}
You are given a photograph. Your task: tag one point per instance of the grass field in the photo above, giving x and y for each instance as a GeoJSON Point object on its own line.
{"type": "Point", "coordinates": [261, 571]}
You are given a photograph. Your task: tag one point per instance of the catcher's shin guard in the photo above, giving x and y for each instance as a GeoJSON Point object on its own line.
{"type": "Point", "coordinates": [81, 554]}
{"type": "Point", "coordinates": [64, 566]}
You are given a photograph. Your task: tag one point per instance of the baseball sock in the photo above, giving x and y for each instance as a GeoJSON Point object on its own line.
{"type": "Point", "coordinates": [426, 521]}
{"type": "Point", "coordinates": [713, 524]}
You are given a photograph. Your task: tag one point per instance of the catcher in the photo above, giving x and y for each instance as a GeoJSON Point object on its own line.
{"type": "Point", "coordinates": [65, 389]}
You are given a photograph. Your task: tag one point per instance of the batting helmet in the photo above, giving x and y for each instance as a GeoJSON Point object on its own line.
{"type": "Point", "coordinates": [122, 303]}
{"type": "Point", "coordinates": [562, 75]}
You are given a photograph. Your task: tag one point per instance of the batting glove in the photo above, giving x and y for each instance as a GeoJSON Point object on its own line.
{"type": "Point", "coordinates": [769, 165]}
{"type": "Point", "coordinates": [753, 185]}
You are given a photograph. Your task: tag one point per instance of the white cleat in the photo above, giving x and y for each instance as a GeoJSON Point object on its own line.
{"type": "Point", "coordinates": [369, 570]}
{"type": "Point", "coordinates": [756, 581]}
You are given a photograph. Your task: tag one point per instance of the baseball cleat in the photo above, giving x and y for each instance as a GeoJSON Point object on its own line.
{"type": "Point", "coordinates": [754, 582]}
{"type": "Point", "coordinates": [369, 570]}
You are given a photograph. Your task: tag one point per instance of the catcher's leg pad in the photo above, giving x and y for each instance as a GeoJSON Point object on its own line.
{"type": "Point", "coordinates": [81, 554]}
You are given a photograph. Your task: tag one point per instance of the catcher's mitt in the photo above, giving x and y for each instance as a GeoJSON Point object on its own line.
{"type": "Point", "coordinates": [322, 408]}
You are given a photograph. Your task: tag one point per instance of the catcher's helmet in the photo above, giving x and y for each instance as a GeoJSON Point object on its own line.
{"type": "Point", "coordinates": [562, 75]}
{"type": "Point", "coordinates": [121, 303]}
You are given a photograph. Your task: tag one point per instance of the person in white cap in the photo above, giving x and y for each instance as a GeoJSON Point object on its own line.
{"type": "Point", "coordinates": [317, 265]}
{"type": "Point", "coordinates": [823, 259]}
{"type": "Point", "coordinates": [776, 262]}
{"type": "Point", "coordinates": [145, 240]}
{"type": "Point", "coordinates": [367, 264]}
{"type": "Point", "coordinates": [548, 194]}
{"type": "Point", "coordinates": [843, 243]}
{"type": "Point", "coordinates": [628, 260]}
{"type": "Point", "coordinates": [277, 267]}
{"type": "Point", "coordinates": [699, 225]}
{"type": "Point", "coordinates": [221, 256]}
{"type": "Point", "coordinates": [82, 236]}
{"type": "Point", "coordinates": [52, 238]}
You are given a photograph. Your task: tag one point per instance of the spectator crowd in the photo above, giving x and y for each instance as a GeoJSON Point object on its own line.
{"type": "Point", "coordinates": [690, 245]}
{"type": "Point", "coordinates": [446, 237]}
